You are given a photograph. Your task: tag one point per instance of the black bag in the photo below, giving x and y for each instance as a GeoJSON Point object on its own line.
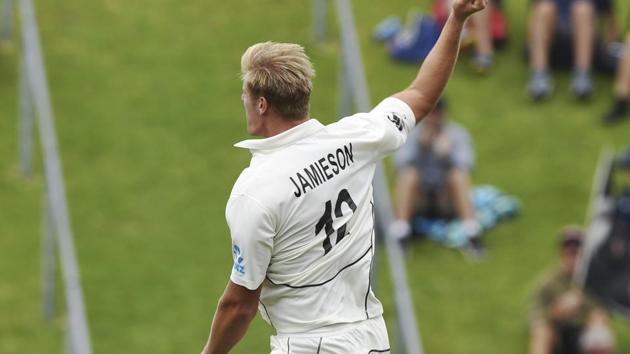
{"type": "Point", "coordinates": [608, 276]}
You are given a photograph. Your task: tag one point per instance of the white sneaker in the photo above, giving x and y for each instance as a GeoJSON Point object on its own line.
{"type": "Point", "coordinates": [399, 230]}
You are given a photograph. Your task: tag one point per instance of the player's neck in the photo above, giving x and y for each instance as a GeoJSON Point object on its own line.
{"type": "Point", "coordinates": [276, 124]}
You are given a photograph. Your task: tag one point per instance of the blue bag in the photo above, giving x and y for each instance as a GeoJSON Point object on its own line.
{"type": "Point", "coordinates": [387, 29]}
{"type": "Point", "coordinates": [415, 42]}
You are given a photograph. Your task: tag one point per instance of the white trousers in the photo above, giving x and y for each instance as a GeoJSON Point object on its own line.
{"type": "Point", "coordinates": [367, 337]}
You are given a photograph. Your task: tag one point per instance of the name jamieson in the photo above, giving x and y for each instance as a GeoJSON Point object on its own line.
{"type": "Point", "coordinates": [322, 170]}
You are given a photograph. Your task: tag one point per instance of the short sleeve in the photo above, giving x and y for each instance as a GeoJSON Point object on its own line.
{"type": "Point", "coordinates": [252, 231]}
{"type": "Point", "coordinates": [395, 119]}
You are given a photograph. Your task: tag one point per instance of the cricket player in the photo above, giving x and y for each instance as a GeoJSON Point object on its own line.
{"type": "Point", "coordinates": [301, 215]}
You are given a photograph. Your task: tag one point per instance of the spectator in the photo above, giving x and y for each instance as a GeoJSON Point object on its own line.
{"type": "Point", "coordinates": [619, 108]}
{"type": "Point", "coordinates": [434, 177]}
{"type": "Point", "coordinates": [558, 28]}
{"type": "Point", "coordinates": [564, 320]}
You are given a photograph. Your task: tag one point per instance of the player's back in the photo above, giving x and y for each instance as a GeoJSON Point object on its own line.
{"type": "Point", "coordinates": [310, 191]}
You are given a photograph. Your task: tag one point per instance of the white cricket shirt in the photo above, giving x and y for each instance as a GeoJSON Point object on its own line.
{"type": "Point", "coordinates": [301, 218]}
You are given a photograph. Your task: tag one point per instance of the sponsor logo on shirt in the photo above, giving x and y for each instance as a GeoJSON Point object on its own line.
{"type": "Point", "coordinates": [394, 118]}
{"type": "Point", "coordinates": [238, 259]}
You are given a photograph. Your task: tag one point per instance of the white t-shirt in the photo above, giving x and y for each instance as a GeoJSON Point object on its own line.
{"type": "Point", "coordinates": [301, 218]}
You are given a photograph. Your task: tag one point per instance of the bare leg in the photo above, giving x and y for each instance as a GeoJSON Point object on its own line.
{"type": "Point", "coordinates": [542, 25]}
{"type": "Point", "coordinates": [459, 188]}
{"type": "Point", "coordinates": [407, 191]}
{"type": "Point", "coordinates": [541, 338]}
{"type": "Point", "coordinates": [611, 28]}
{"type": "Point", "coordinates": [583, 17]}
{"type": "Point", "coordinates": [482, 61]}
{"type": "Point", "coordinates": [481, 23]}
{"type": "Point", "coordinates": [622, 82]}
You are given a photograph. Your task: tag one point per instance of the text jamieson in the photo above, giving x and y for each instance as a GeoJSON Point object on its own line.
{"type": "Point", "coordinates": [322, 170]}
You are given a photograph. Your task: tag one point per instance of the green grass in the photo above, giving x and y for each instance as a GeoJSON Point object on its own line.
{"type": "Point", "coordinates": [146, 96]}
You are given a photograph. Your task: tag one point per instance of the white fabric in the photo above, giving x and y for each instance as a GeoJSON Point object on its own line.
{"type": "Point", "coordinates": [289, 209]}
{"type": "Point", "coordinates": [367, 337]}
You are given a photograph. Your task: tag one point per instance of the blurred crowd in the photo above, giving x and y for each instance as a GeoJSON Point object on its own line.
{"type": "Point", "coordinates": [434, 166]}
{"type": "Point", "coordinates": [581, 35]}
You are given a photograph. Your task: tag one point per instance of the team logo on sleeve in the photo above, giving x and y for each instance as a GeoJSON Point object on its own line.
{"type": "Point", "coordinates": [238, 259]}
{"type": "Point", "coordinates": [394, 118]}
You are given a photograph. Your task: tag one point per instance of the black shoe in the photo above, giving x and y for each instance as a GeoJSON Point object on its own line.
{"type": "Point", "coordinates": [475, 248]}
{"type": "Point", "coordinates": [618, 112]}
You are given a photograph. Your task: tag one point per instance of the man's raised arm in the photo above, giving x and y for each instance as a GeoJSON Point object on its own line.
{"type": "Point", "coordinates": [428, 86]}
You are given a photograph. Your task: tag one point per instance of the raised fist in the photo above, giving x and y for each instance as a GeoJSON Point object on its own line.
{"type": "Point", "coordinates": [462, 9]}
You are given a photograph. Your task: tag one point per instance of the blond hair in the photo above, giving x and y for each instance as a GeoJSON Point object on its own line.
{"type": "Point", "coordinates": [282, 73]}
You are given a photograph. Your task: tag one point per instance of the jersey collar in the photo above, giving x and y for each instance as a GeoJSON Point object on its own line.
{"type": "Point", "coordinates": [287, 137]}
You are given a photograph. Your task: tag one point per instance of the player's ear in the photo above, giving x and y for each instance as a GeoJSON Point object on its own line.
{"type": "Point", "coordinates": [263, 105]}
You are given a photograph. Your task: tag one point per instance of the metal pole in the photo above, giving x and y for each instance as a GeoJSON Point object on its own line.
{"type": "Point", "coordinates": [26, 122]}
{"type": "Point", "coordinates": [400, 339]}
{"type": "Point", "coordinates": [48, 261]}
{"type": "Point", "coordinates": [68, 343]}
{"type": "Point", "coordinates": [320, 9]}
{"type": "Point", "coordinates": [77, 321]}
{"type": "Point", "coordinates": [408, 326]}
{"type": "Point", "coordinates": [353, 62]}
{"type": "Point", "coordinates": [597, 225]}
{"type": "Point", "coordinates": [6, 22]}
{"type": "Point", "coordinates": [345, 88]}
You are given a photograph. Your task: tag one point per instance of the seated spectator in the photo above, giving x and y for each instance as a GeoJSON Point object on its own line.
{"type": "Point", "coordinates": [434, 177]}
{"type": "Point", "coordinates": [561, 29]}
{"type": "Point", "coordinates": [622, 88]}
{"type": "Point", "coordinates": [564, 320]}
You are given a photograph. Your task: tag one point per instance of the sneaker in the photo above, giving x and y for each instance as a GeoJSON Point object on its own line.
{"type": "Point", "coordinates": [582, 85]}
{"type": "Point", "coordinates": [540, 85]}
{"type": "Point", "coordinates": [617, 112]}
{"type": "Point", "coordinates": [400, 230]}
{"type": "Point", "coordinates": [482, 63]}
